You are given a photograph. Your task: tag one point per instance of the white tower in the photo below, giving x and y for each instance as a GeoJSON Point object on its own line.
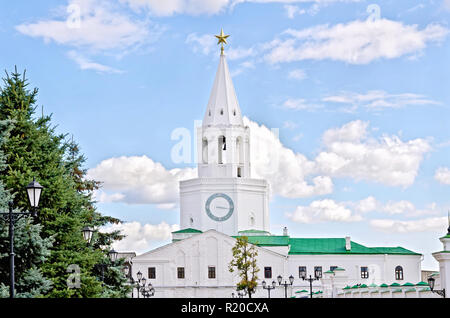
{"type": "Point", "coordinates": [224, 197]}
{"type": "Point", "coordinates": [443, 257]}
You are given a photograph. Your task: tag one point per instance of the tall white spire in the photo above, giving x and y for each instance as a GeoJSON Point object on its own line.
{"type": "Point", "coordinates": [223, 107]}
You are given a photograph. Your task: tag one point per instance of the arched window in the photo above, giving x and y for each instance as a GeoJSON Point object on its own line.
{"type": "Point", "coordinates": [222, 148]}
{"type": "Point", "coordinates": [239, 151]}
{"type": "Point", "coordinates": [399, 273]}
{"type": "Point", "coordinates": [205, 150]}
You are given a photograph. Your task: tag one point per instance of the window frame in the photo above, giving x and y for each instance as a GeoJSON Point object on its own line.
{"type": "Point", "coordinates": [212, 269]}
{"type": "Point", "coordinates": [181, 270]}
{"type": "Point", "coordinates": [305, 270]}
{"type": "Point", "coordinates": [399, 273]}
{"type": "Point", "coordinates": [153, 273]}
{"type": "Point", "coordinates": [364, 272]}
{"type": "Point", "coordinates": [316, 270]}
{"type": "Point", "coordinates": [266, 270]}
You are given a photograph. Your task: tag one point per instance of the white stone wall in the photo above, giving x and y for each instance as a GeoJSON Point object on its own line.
{"type": "Point", "coordinates": [212, 248]}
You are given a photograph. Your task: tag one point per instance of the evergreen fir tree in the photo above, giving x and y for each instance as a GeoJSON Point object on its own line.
{"type": "Point", "coordinates": [33, 149]}
{"type": "Point", "coordinates": [31, 250]}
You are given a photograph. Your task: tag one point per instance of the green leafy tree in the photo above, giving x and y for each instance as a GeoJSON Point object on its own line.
{"type": "Point", "coordinates": [34, 149]}
{"type": "Point", "coordinates": [244, 262]}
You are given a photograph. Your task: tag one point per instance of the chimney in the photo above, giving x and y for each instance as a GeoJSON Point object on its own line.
{"type": "Point", "coordinates": [348, 245]}
{"type": "Point", "coordinates": [285, 231]}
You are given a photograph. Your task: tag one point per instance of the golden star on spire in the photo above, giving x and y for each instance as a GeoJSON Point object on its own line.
{"type": "Point", "coordinates": [222, 39]}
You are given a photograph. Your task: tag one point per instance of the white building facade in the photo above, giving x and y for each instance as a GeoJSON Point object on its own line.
{"type": "Point", "coordinates": [225, 202]}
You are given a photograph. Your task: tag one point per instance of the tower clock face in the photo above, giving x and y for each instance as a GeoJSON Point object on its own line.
{"type": "Point", "coordinates": [219, 207]}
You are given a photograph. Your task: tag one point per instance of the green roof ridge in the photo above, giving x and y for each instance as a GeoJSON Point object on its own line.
{"type": "Point", "coordinates": [188, 230]}
{"type": "Point", "coordinates": [422, 284]}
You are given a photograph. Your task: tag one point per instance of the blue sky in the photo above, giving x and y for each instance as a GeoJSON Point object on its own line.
{"type": "Point", "coordinates": [358, 91]}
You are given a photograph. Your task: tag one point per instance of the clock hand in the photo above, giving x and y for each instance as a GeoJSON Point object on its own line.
{"type": "Point", "coordinates": [221, 207]}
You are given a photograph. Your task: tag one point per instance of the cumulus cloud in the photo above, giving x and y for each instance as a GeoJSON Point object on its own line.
{"type": "Point", "coordinates": [437, 224]}
{"type": "Point", "coordinates": [402, 207]}
{"type": "Point", "coordinates": [442, 175]}
{"type": "Point", "coordinates": [288, 173]}
{"type": "Point", "coordinates": [355, 42]}
{"type": "Point", "coordinates": [95, 25]}
{"type": "Point", "coordinates": [139, 180]}
{"type": "Point", "coordinates": [139, 237]}
{"type": "Point", "coordinates": [323, 211]}
{"type": "Point", "coordinates": [349, 152]}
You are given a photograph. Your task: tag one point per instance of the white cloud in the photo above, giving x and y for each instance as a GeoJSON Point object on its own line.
{"type": "Point", "coordinates": [355, 42]}
{"type": "Point", "coordinates": [86, 64]}
{"type": "Point", "coordinates": [139, 237]}
{"type": "Point", "coordinates": [290, 174]}
{"type": "Point", "coordinates": [292, 11]}
{"type": "Point", "coordinates": [297, 74]}
{"type": "Point", "coordinates": [349, 152]}
{"type": "Point", "coordinates": [402, 207]}
{"type": "Point", "coordinates": [437, 224]}
{"type": "Point", "coordinates": [102, 27]}
{"type": "Point", "coordinates": [300, 104]}
{"type": "Point", "coordinates": [446, 4]}
{"type": "Point", "coordinates": [442, 175]}
{"type": "Point", "coordinates": [139, 180]}
{"type": "Point", "coordinates": [323, 211]}
{"type": "Point", "coordinates": [204, 43]}
{"type": "Point", "coordinates": [378, 100]}
{"type": "Point", "coordinates": [209, 7]}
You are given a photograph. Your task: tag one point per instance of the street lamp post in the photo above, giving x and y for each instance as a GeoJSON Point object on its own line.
{"type": "Point", "coordinates": [431, 282]}
{"type": "Point", "coordinates": [310, 280]}
{"type": "Point", "coordinates": [269, 287]}
{"type": "Point", "coordinates": [112, 255]}
{"type": "Point", "coordinates": [34, 190]}
{"type": "Point", "coordinates": [285, 284]}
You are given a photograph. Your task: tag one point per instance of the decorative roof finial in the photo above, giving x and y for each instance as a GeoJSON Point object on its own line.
{"type": "Point", "coordinates": [222, 40]}
{"type": "Point", "coordinates": [448, 215]}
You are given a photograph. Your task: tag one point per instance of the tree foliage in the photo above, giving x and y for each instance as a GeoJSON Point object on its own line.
{"type": "Point", "coordinates": [33, 149]}
{"type": "Point", "coordinates": [244, 262]}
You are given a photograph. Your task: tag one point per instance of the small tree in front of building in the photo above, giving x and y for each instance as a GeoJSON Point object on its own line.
{"type": "Point", "coordinates": [244, 262]}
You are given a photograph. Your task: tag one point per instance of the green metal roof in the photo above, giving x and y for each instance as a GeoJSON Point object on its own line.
{"type": "Point", "coordinates": [408, 284]}
{"type": "Point", "coordinates": [373, 285]}
{"type": "Point", "coordinates": [363, 286]}
{"type": "Point", "coordinates": [337, 246]}
{"type": "Point", "coordinates": [422, 284]}
{"type": "Point", "coordinates": [187, 231]}
{"type": "Point", "coordinates": [384, 285]}
{"type": "Point", "coordinates": [308, 246]}
{"type": "Point", "coordinates": [394, 285]}
{"type": "Point", "coordinates": [269, 240]}
{"type": "Point", "coordinates": [253, 231]}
